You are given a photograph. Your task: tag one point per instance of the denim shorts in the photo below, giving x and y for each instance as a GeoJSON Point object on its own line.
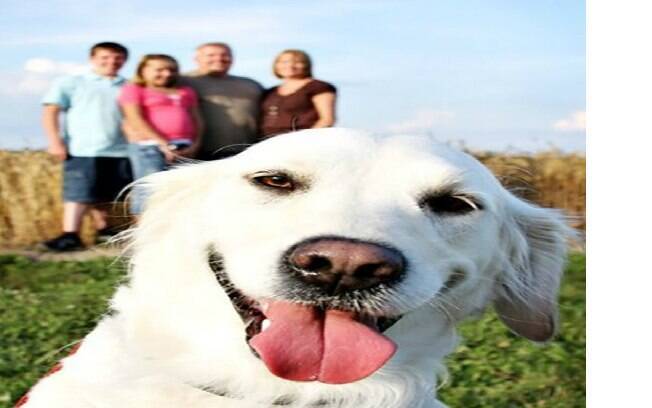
{"type": "Point", "coordinates": [145, 160]}
{"type": "Point", "coordinates": [92, 180]}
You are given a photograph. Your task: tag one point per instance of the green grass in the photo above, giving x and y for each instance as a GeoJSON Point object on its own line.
{"type": "Point", "coordinates": [46, 306]}
{"type": "Point", "coordinates": [494, 368]}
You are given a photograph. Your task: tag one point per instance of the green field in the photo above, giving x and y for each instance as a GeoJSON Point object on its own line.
{"type": "Point", "coordinates": [45, 306]}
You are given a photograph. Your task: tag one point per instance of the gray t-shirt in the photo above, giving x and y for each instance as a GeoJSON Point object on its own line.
{"type": "Point", "coordinates": [230, 107]}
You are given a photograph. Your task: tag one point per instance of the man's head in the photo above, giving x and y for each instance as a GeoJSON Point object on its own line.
{"type": "Point", "coordinates": [107, 58]}
{"type": "Point", "coordinates": [214, 59]}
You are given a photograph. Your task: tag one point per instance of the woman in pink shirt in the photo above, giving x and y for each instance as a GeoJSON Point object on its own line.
{"type": "Point", "coordinates": [162, 120]}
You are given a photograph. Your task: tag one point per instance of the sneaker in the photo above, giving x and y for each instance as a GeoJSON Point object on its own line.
{"type": "Point", "coordinates": [68, 241]}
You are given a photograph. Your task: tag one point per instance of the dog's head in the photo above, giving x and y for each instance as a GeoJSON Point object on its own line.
{"type": "Point", "coordinates": [332, 255]}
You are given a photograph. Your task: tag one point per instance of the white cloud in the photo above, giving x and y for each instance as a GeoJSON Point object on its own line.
{"type": "Point", "coordinates": [37, 75]}
{"type": "Point", "coordinates": [574, 123]}
{"type": "Point", "coordinates": [422, 120]}
{"type": "Point", "coordinates": [39, 65]}
{"type": "Point", "coordinates": [46, 66]}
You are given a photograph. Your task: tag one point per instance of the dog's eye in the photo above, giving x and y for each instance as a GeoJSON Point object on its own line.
{"type": "Point", "coordinates": [448, 204]}
{"type": "Point", "coordinates": [276, 181]}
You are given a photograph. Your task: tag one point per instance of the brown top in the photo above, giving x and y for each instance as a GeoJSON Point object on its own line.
{"type": "Point", "coordinates": [285, 113]}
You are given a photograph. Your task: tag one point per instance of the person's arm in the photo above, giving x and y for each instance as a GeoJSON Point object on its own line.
{"type": "Point", "coordinates": [325, 106]}
{"type": "Point", "coordinates": [193, 149]}
{"type": "Point", "coordinates": [50, 122]}
{"type": "Point", "coordinates": [130, 133]}
{"type": "Point", "coordinates": [138, 128]}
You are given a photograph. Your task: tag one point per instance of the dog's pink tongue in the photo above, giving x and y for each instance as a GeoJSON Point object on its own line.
{"type": "Point", "coordinates": [302, 344]}
{"type": "Point", "coordinates": [292, 347]}
{"type": "Point", "coordinates": [352, 350]}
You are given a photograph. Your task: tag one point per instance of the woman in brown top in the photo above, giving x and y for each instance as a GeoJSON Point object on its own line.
{"type": "Point", "coordinates": [300, 101]}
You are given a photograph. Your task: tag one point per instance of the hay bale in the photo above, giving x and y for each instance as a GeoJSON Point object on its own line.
{"type": "Point", "coordinates": [31, 208]}
{"type": "Point", "coordinates": [30, 199]}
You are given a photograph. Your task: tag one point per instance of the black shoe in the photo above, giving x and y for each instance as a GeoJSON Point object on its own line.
{"type": "Point", "coordinates": [68, 241]}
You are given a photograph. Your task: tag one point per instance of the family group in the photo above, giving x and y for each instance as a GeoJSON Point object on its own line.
{"type": "Point", "coordinates": [114, 131]}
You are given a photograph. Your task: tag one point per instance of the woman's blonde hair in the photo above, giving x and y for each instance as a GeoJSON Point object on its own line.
{"type": "Point", "coordinates": [138, 76]}
{"type": "Point", "coordinates": [300, 55]}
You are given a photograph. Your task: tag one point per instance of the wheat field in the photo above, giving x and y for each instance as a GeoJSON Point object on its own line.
{"type": "Point", "coordinates": [30, 191]}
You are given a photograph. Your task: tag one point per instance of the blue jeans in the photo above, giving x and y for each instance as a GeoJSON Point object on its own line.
{"type": "Point", "coordinates": [145, 160]}
{"type": "Point", "coordinates": [94, 179]}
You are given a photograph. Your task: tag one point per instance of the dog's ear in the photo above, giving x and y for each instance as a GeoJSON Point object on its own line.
{"type": "Point", "coordinates": [534, 243]}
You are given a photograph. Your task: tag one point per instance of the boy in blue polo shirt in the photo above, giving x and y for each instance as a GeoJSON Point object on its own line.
{"type": "Point", "coordinates": [90, 144]}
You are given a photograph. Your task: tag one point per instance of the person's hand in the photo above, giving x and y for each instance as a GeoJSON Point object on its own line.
{"type": "Point", "coordinates": [189, 152]}
{"type": "Point", "coordinates": [169, 155]}
{"type": "Point", "coordinates": [58, 150]}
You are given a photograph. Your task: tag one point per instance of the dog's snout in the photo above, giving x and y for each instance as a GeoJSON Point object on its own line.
{"type": "Point", "coordinates": [339, 265]}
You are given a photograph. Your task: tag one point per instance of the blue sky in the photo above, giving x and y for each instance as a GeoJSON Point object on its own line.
{"type": "Point", "coordinates": [492, 75]}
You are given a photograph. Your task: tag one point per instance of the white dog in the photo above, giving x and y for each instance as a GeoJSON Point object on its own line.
{"type": "Point", "coordinates": [322, 268]}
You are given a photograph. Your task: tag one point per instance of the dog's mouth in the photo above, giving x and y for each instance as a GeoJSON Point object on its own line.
{"type": "Point", "coordinates": [309, 342]}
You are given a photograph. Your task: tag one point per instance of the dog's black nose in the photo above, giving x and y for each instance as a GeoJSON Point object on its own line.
{"type": "Point", "coordinates": [340, 264]}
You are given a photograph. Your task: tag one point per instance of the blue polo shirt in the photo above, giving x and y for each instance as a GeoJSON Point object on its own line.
{"type": "Point", "coordinates": [92, 123]}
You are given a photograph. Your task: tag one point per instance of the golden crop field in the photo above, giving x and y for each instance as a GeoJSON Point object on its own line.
{"type": "Point", "coordinates": [549, 179]}
{"type": "Point", "coordinates": [30, 191]}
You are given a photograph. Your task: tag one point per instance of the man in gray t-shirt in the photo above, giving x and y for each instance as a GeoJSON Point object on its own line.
{"type": "Point", "coordinates": [229, 104]}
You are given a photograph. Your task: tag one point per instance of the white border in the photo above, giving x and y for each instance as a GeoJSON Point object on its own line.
{"type": "Point", "coordinates": [619, 157]}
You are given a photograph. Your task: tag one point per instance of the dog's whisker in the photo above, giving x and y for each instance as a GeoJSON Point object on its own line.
{"type": "Point", "coordinates": [437, 304]}
{"type": "Point", "coordinates": [447, 304]}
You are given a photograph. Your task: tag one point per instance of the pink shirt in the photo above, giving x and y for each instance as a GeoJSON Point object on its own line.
{"type": "Point", "coordinates": [168, 114]}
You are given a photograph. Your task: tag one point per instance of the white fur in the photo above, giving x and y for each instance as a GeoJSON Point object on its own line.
{"type": "Point", "coordinates": [174, 339]}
